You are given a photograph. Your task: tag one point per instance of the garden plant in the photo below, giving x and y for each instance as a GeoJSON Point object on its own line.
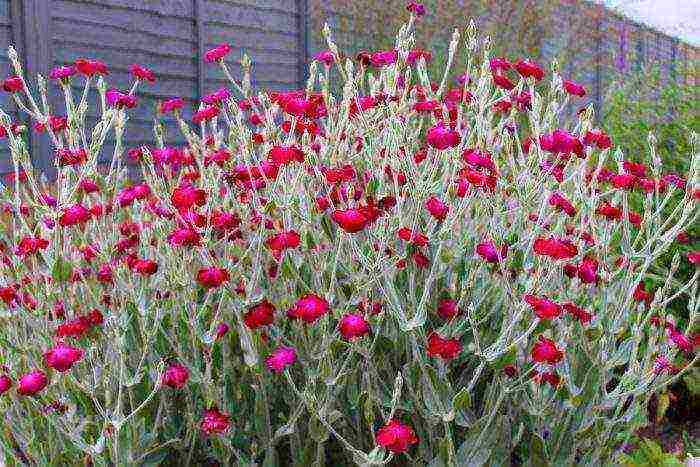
{"type": "Point", "coordinates": [441, 272]}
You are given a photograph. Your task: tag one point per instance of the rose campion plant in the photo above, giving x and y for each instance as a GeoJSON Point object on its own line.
{"type": "Point", "coordinates": [406, 272]}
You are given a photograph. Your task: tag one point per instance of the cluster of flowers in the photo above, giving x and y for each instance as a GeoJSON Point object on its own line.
{"type": "Point", "coordinates": [220, 202]}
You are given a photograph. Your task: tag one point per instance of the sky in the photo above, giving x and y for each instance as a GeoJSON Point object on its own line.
{"type": "Point", "coordinates": [679, 18]}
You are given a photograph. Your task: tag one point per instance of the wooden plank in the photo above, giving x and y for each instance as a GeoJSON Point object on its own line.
{"type": "Point", "coordinates": [232, 14]}
{"type": "Point", "coordinates": [172, 8]}
{"type": "Point", "coordinates": [142, 22]}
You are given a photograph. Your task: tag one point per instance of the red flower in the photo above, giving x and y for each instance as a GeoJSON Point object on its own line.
{"type": "Point", "coordinates": [260, 315]}
{"type": "Point", "coordinates": [31, 246]}
{"type": "Point", "coordinates": [588, 271]}
{"type": "Point", "coordinates": [562, 204]}
{"type": "Point", "coordinates": [351, 220]}
{"type": "Point", "coordinates": [447, 308]}
{"type": "Point", "coordinates": [555, 248]}
{"type": "Point", "coordinates": [205, 114]}
{"type": "Point", "coordinates": [543, 307]}
{"type": "Point", "coordinates": [597, 137]}
{"type": "Point", "coordinates": [212, 277]}
{"type": "Point", "coordinates": [641, 295]}
{"type": "Point", "coordinates": [447, 349]}
{"type": "Point", "coordinates": [217, 53]}
{"type": "Point", "coordinates": [353, 326]}
{"type": "Point", "coordinates": [527, 68]}
{"type": "Point", "coordinates": [62, 357]}
{"type": "Point", "coordinates": [186, 196]}
{"type": "Point", "coordinates": [437, 208]}
{"type": "Point", "coordinates": [281, 358]}
{"type": "Point", "coordinates": [635, 168]}
{"type": "Point", "coordinates": [579, 313]}
{"type": "Point", "coordinates": [416, 238]}
{"type": "Point", "coordinates": [503, 82]}
{"type": "Point", "coordinates": [283, 241]}
{"type": "Point", "coordinates": [119, 100]}
{"type": "Point", "coordinates": [309, 308]}
{"type": "Point", "coordinates": [550, 377]}
{"type": "Point", "coordinates": [142, 73]}
{"type": "Point", "coordinates": [67, 157]}
{"type": "Point", "coordinates": [573, 88]}
{"type": "Point", "coordinates": [185, 236]}
{"type": "Point", "coordinates": [90, 67]}
{"type": "Point", "coordinates": [281, 155]}
{"type": "Point", "coordinates": [396, 437]}
{"type": "Point", "coordinates": [32, 383]}
{"type": "Point", "coordinates": [490, 252]}
{"type": "Point", "coordinates": [145, 267]}
{"type": "Point", "coordinates": [74, 215]}
{"type": "Point", "coordinates": [546, 351]}
{"type": "Point", "coordinates": [176, 376]}
{"type": "Point", "coordinates": [442, 137]}
{"type": "Point", "coordinates": [609, 211]}
{"type": "Point", "coordinates": [215, 422]}
{"type": "Point", "coordinates": [13, 84]}
{"type": "Point", "coordinates": [478, 159]}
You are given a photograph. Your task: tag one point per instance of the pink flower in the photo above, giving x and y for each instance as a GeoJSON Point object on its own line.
{"type": "Point", "coordinates": [119, 100]}
{"type": "Point", "coordinates": [490, 253]}
{"type": "Point", "coordinates": [416, 8]}
{"type": "Point", "coordinates": [217, 53]}
{"type": "Point", "coordinates": [215, 422]}
{"type": "Point", "coordinates": [32, 383]}
{"type": "Point", "coordinates": [353, 326]}
{"type": "Point", "coordinates": [325, 56]}
{"type": "Point", "coordinates": [573, 88]}
{"type": "Point", "coordinates": [588, 270]}
{"type": "Point", "coordinates": [694, 257]}
{"type": "Point", "coordinates": [5, 384]}
{"type": "Point", "coordinates": [176, 376]}
{"type": "Point", "coordinates": [396, 437]}
{"type": "Point", "coordinates": [74, 215]}
{"type": "Point", "coordinates": [62, 357]}
{"type": "Point", "coordinates": [546, 351]}
{"type": "Point", "coordinates": [171, 105]}
{"type": "Point", "coordinates": [442, 137]}
{"type": "Point", "coordinates": [62, 72]}
{"type": "Point", "coordinates": [281, 358]}
{"type": "Point", "coordinates": [562, 204]}
{"type": "Point", "coordinates": [217, 97]}
{"type": "Point", "coordinates": [499, 64]}
{"type": "Point", "coordinates": [309, 308]}
{"type": "Point", "coordinates": [437, 208]}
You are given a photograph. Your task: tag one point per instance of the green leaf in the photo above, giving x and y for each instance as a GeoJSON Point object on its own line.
{"type": "Point", "coordinates": [462, 400]}
{"type": "Point", "coordinates": [62, 270]}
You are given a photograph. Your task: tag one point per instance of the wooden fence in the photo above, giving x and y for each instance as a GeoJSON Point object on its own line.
{"type": "Point", "coordinates": [171, 36]}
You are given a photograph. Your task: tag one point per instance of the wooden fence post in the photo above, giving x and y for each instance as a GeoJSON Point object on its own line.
{"type": "Point", "coordinates": [31, 31]}
{"type": "Point", "coordinates": [303, 42]}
